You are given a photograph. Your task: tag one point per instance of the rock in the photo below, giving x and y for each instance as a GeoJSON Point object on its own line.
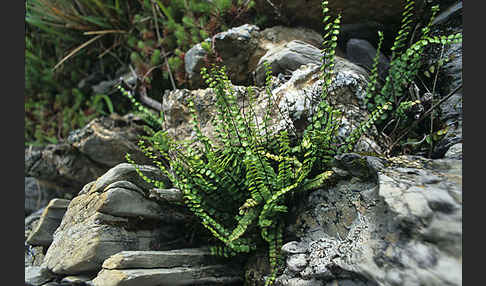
{"type": "Point", "coordinates": [400, 227]}
{"type": "Point", "coordinates": [87, 154]}
{"type": "Point", "coordinates": [449, 21]}
{"type": "Point", "coordinates": [310, 12]}
{"type": "Point", "coordinates": [125, 175]}
{"type": "Point", "coordinates": [159, 259]}
{"type": "Point", "coordinates": [106, 140]}
{"type": "Point", "coordinates": [36, 276]}
{"type": "Point", "coordinates": [108, 219]}
{"type": "Point", "coordinates": [234, 47]}
{"type": "Point", "coordinates": [37, 195]}
{"type": "Point", "coordinates": [194, 60]}
{"type": "Point", "coordinates": [76, 279]}
{"type": "Point", "coordinates": [167, 195]}
{"type": "Point", "coordinates": [49, 221]}
{"type": "Point", "coordinates": [286, 59]}
{"type": "Point", "coordinates": [209, 275]}
{"type": "Point", "coordinates": [362, 53]}
{"type": "Point", "coordinates": [33, 256]}
{"type": "Point", "coordinates": [293, 99]}
{"type": "Point", "coordinates": [61, 165]}
{"type": "Point", "coordinates": [241, 48]}
{"type": "Point", "coordinates": [454, 152]}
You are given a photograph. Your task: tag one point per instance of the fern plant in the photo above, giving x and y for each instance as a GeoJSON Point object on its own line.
{"type": "Point", "coordinates": [239, 182]}
{"type": "Point", "coordinates": [405, 64]}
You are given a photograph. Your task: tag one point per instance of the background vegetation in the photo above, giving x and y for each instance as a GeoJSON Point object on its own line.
{"type": "Point", "coordinates": [69, 43]}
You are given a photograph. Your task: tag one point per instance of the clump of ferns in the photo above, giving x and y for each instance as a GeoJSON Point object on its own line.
{"type": "Point", "coordinates": [239, 182]}
{"type": "Point", "coordinates": [406, 62]}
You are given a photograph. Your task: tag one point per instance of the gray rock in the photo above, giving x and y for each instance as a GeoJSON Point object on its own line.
{"type": "Point", "coordinates": [361, 52]}
{"type": "Point", "coordinates": [448, 22]}
{"type": "Point", "coordinates": [241, 48]}
{"type": "Point", "coordinates": [37, 195]}
{"type": "Point", "coordinates": [209, 275]}
{"type": "Point", "coordinates": [106, 140]}
{"type": "Point", "coordinates": [49, 221]}
{"type": "Point", "coordinates": [99, 224]}
{"type": "Point", "coordinates": [167, 195]}
{"type": "Point", "coordinates": [36, 276]}
{"type": "Point", "coordinates": [310, 12]}
{"type": "Point", "coordinates": [454, 152]}
{"type": "Point", "coordinates": [294, 247]}
{"type": "Point", "coordinates": [86, 154]}
{"type": "Point", "coordinates": [76, 279]}
{"type": "Point", "coordinates": [33, 255]}
{"type": "Point", "coordinates": [408, 230]}
{"type": "Point", "coordinates": [61, 165]}
{"type": "Point", "coordinates": [126, 174]}
{"type": "Point", "coordinates": [291, 104]}
{"type": "Point", "coordinates": [159, 259]}
{"type": "Point", "coordinates": [194, 60]}
{"type": "Point", "coordinates": [296, 262]}
{"type": "Point", "coordinates": [287, 58]}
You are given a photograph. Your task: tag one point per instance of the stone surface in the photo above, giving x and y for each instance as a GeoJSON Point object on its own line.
{"type": "Point", "coordinates": [167, 195]}
{"type": "Point", "coordinates": [361, 52]}
{"type": "Point", "coordinates": [400, 227]}
{"type": "Point", "coordinates": [108, 219]}
{"type": "Point", "coordinates": [36, 276]}
{"type": "Point", "coordinates": [241, 48]}
{"type": "Point", "coordinates": [87, 153]}
{"type": "Point", "coordinates": [106, 140]}
{"type": "Point", "coordinates": [209, 275]}
{"type": "Point", "coordinates": [287, 58]}
{"type": "Point", "coordinates": [61, 165]}
{"type": "Point", "coordinates": [33, 255]}
{"type": "Point", "coordinates": [37, 195]}
{"type": "Point", "coordinates": [125, 175]}
{"type": "Point", "coordinates": [159, 259]}
{"type": "Point", "coordinates": [454, 152]}
{"type": "Point", "coordinates": [449, 21]}
{"type": "Point", "coordinates": [49, 221]}
{"type": "Point", "coordinates": [352, 11]}
{"type": "Point", "coordinates": [290, 104]}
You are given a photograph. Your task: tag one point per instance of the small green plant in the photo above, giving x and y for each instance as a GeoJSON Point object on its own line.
{"type": "Point", "coordinates": [239, 184]}
{"type": "Point", "coordinates": [405, 66]}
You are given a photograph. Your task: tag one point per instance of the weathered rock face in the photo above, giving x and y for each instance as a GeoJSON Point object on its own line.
{"type": "Point", "coordinates": [33, 256]}
{"type": "Point", "coordinates": [194, 266]}
{"type": "Point", "coordinates": [36, 276]}
{"type": "Point", "coordinates": [37, 195]}
{"type": "Point", "coordinates": [106, 140]}
{"type": "Point", "coordinates": [287, 58]}
{"type": "Point", "coordinates": [49, 221]}
{"type": "Point", "coordinates": [352, 11]}
{"type": "Point", "coordinates": [449, 21]}
{"type": "Point", "coordinates": [87, 154]}
{"type": "Point", "coordinates": [402, 228]}
{"type": "Point", "coordinates": [361, 52]}
{"type": "Point", "coordinates": [291, 103]}
{"type": "Point", "coordinates": [240, 50]}
{"type": "Point", "coordinates": [112, 215]}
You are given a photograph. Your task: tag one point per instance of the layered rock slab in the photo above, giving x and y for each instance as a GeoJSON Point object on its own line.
{"type": "Point", "coordinates": [109, 217]}
{"type": "Point", "coordinates": [49, 221]}
{"type": "Point", "coordinates": [192, 266]}
{"type": "Point", "coordinates": [402, 226]}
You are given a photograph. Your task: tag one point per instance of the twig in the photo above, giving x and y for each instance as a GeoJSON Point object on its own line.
{"type": "Point", "coordinates": [77, 50]}
{"type": "Point", "coordinates": [149, 101]}
{"type": "Point", "coordinates": [103, 32]}
{"type": "Point", "coordinates": [433, 91]}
